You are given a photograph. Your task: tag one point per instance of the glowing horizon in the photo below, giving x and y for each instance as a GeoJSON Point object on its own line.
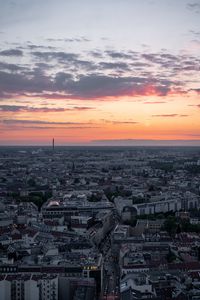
{"type": "Point", "coordinates": [133, 76]}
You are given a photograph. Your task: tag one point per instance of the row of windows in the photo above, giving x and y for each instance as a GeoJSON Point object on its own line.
{"type": "Point", "coordinates": [73, 274]}
{"type": "Point", "coordinates": [8, 269]}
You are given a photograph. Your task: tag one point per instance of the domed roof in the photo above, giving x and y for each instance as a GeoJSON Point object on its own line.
{"type": "Point", "coordinates": [53, 203]}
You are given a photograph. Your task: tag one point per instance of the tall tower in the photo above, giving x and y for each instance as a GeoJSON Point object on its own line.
{"type": "Point", "coordinates": [53, 144]}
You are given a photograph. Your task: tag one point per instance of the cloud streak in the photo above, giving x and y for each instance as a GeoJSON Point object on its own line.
{"type": "Point", "coordinates": [154, 102]}
{"type": "Point", "coordinates": [21, 108]}
{"type": "Point", "coordinates": [69, 40]}
{"type": "Point", "coordinates": [169, 116]}
{"type": "Point", "coordinates": [40, 122]}
{"type": "Point", "coordinates": [125, 122]}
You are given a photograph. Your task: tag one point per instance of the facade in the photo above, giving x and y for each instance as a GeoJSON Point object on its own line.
{"type": "Point", "coordinates": [29, 287]}
{"type": "Point", "coordinates": [42, 283]}
{"type": "Point", "coordinates": [57, 209]}
{"type": "Point", "coordinates": [184, 203]}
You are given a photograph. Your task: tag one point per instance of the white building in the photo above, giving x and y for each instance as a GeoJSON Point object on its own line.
{"type": "Point", "coordinates": [137, 282]}
{"type": "Point", "coordinates": [29, 287]}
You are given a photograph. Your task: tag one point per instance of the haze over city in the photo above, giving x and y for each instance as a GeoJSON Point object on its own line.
{"type": "Point", "coordinates": [107, 72]}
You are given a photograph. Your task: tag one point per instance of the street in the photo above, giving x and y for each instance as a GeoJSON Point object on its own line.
{"type": "Point", "coordinates": [111, 268]}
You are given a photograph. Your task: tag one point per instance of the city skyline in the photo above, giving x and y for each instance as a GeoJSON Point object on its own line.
{"type": "Point", "coordinates": [99, 73]}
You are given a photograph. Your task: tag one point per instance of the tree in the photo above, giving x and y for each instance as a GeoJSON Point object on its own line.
{"type": "Point", "coordinates": [31, 182]}
{"type": "Point", "coordinates": [170, 225]}
{"type": "Point", "coordinates": [170, 256]}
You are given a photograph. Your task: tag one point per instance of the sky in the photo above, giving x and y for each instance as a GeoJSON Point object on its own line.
{"type": "Point", "coordinates": [109, 72]}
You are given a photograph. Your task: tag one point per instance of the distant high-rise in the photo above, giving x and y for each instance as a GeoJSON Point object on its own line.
{"type": "Point", "coordinates": [53, 144]}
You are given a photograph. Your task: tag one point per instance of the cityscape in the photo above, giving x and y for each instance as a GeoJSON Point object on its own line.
{"type": "Point", "coordinates": [96, 223]}
{"type": "Point", "coordinates": [100, 150]}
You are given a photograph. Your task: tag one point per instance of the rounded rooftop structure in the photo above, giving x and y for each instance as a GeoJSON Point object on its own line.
{"type": "Point", "coordinates": [53, 203]}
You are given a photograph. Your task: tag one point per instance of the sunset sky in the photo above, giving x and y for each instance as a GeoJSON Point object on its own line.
{"type": "Point", "coordinates": [99, 72]}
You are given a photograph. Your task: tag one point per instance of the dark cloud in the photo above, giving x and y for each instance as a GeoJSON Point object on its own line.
{"type": "Point", "coordinates": [96, 54]}
{"type": "Point", "coordinates": [195, 6]}
{"type": "Point", "coordinates": [12, 84]}
{"type": "Point", "coordinates": [21, 108]}
{"type": "Point", "coordinates": [195, 33]}
{"type": "Point", "coordinates": [43, 66]}
{"type": "Point", "coordinates": [34, 47]}
{"type": "Point", "coordinates": [169, 57]}
{"type": "Point", "coordinates": [60, 56]}
{"type": "Point", "coordinates": [165, 60]}
{"type": "Point", "coordinates": [168, 64]}
{"type": "Point", "coordinates": [55, 96]}
{"type": "Point", "coordinates": [114, 66]}
{"type": "Point", "coordinates": [84, 64]}
{"type": "Point", "coordinates": [120, 73]}
{"type": "Point", "coordinates": [154, 58]}
{"type": "Point", "coordinates": [18, 127]}
{"type": "Point", "coordinates": [55, 40]}
{"type": "Point", "coordinates": [166, 115]}
{"type": "Point", "coordinates": [11, 67]}
{"type": "Point", "coordinates": [190, 67]}
{"type": "Point", "coordinates": [140, 64]}
{"type": "Point", "coordinates": [81, 108]}
{"type": "Point", "coordinates": [120, 55]}
{"type": "Point", "coordinates": [11, 108]}
{"type": "Point", "coordinates": [70, 60]}
{"type": "Point", "coordinates": [11, 52]}
{"type": "Point", "coordinates": [69, 40]}
{"type": "Point", "coordinates": [97, 86]}
{"type": "Point", "coordinates": [91, 86]}
{"type": "Point", "coordinates": [195, 105]}
{"type": "Point", "coordinates": [195, 90]}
